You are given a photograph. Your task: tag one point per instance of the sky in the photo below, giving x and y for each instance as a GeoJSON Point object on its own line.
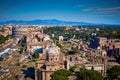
{"type": "Point", "coordinates": [92, 11]}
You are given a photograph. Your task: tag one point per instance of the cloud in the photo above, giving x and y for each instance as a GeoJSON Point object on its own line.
{"type": "Point", "coordinates": [79, 6]}
{"type": "Point", "coordinates": [87, 9]}
{"type": "Point", "coordinates": [103, 9]}
{"type": "Point", "coordinates": [109, 9]}
{"type": "Point", "coordinates": [113, 11]}
{"type": "Point", "coordinates": [107, 13]}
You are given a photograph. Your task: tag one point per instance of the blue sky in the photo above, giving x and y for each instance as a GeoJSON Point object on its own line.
{"type": "Point", "coordinates": [93, 11]}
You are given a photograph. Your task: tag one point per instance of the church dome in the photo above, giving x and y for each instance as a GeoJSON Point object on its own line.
{"type": "Point", "coordinates": [53, 50]}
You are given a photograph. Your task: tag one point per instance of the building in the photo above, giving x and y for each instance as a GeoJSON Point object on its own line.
{"type": "Point", "coordinates": [61, 38]}
{"type": "Point", "coordinates": [36, 40]}
{"type": "Point", "coordinates": [98, 67]}
{"type": "Point", "coordinates": [98, 42]}
{"type": "Point", "coordinates": [53, 35]}
{"type": "Point", "coordinates": [6, 30]}
{"type": "Point", "coordinates": [51, 60]}
{"type": "Point", "coordinates": [19, 32]}
{"type": "Point", "coordinates": [4, 73]}
{"type": "Point", "coordinates": [112, 46]}
{"type": "Point", "coordinates": [33, 37]}
{"type": "Point", "coordinates": [4, 53]}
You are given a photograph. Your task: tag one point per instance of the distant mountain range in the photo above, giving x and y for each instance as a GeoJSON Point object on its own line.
{"type": "Point", "coordinates": [46, 22]}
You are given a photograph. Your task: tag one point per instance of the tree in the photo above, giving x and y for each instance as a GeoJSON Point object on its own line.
{"type": "Point", "coordinates": [92, 68]}
{"type": "Point", "coordinates": [58, 44]}
{"type": "Point", "coordinates": [118, 59]}
{"type": "Point", "coordinates": [4, 39]}
{"type": "Point", "coordinates": [23, 44]}
{"type": "Point", "coordinates": [17, 64]}
{"type": "Point", "coordinates": [90, 75]}
{"type": "Point", "coordinates": [1, 58]}
{"type": "Point", "coordinates": [113, 73]}
{"type": "Point", "coordinates": [21, 50]}
{"type": "Point", "coordinates": [75, 50]}
{"type": "Point", "coordinates": [74, 67]}
{"type": "Point", "coordinates": [36, 55]}
{"type": "Point", "coordinates": [60, 75]}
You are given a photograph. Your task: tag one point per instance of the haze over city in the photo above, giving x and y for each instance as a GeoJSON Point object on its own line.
{"type": "Point", "coordinates": [92, 11]}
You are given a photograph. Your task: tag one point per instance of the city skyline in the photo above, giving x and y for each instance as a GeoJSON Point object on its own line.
{"type": "Point", "coordinates": [95, 11]}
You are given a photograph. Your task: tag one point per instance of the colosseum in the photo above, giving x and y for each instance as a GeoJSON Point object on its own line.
{"type": "Point", "coordinates": [19, 32]}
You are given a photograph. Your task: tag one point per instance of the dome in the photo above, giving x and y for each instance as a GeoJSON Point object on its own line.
{"type": "Point", "coordinates": [53, 50]}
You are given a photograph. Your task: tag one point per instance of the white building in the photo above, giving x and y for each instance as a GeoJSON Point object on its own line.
{"type": "Point", "coordinates": [60, 38]}
{"type": "Point", "coordinates": [97, 67]}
